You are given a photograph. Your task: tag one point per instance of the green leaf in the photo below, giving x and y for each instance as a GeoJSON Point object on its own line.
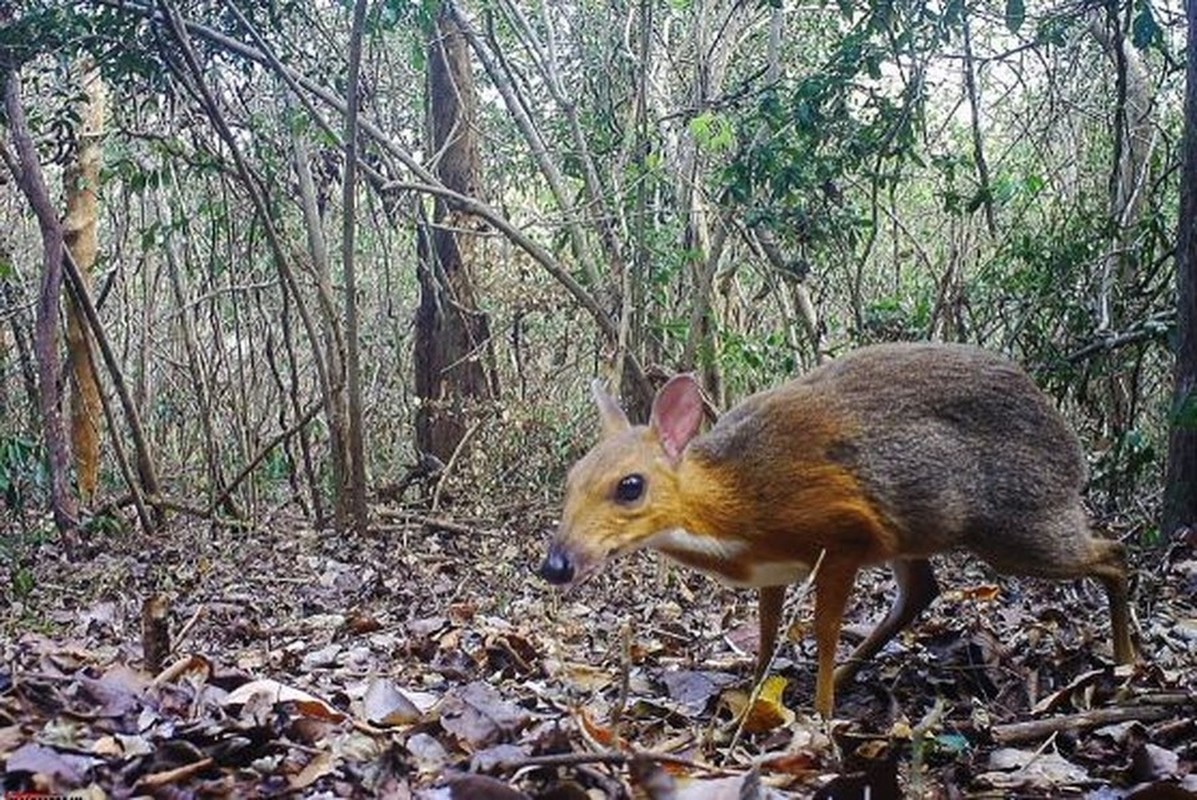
{"type": "Point", "coordinates": [712, 131]}
{"type": "Point", "coordinates": [1145, 31]}
{"type": "Point", "coordinates": [1016, 14]}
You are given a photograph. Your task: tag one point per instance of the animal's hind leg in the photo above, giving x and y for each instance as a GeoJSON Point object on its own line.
{"type": "Point", "coordinates": [916, 589]}
{"type": "Point", "coordinates": [1060, 545]}
{"type": "Point", "coordinates": [1109, 567]}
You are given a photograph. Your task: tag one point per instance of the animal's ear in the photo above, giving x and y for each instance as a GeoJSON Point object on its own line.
{"type": "Point", "coordinates": [677, 413]}
{"type": "Point", "coordinates": [614, 420]}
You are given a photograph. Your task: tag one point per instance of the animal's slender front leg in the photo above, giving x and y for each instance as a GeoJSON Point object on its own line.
{"type": "Point", "coordinates": [771, 599]}
{"type": "Point", "coordinates": [833, 584]}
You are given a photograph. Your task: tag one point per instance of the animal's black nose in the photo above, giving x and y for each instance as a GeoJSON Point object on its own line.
{"type": "Point", "coordinates": [557, 567]}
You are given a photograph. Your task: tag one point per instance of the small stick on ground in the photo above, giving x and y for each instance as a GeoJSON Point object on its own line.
{"type": "Point", "coordinates": [1018, 732]}
{"type": "Point", "coordinates": [155, 632]}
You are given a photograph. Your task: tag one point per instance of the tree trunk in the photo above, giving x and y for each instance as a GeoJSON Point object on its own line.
{"type": "Point", "coordinates": [1180, 488]}
{"type": "Point", "coordinates": [453, 362]}
{"type": "Point", "coordinates": [62, 501]}
{"type": "Point", "coordinates": [82, 181]}
{"type": "Point", "coordinates": [1134, 136]}
{"type": "Point", "coordinates": [337, 412]}
{"type": "Point", "coordinates": [355, 445]}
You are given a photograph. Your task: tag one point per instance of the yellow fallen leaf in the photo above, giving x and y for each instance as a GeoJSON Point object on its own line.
{"type": "Point", "coordinates": [767, 713]}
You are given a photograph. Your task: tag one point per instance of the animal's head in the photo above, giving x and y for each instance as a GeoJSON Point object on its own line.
{"type": "Point", "coordinates": [624, 491]}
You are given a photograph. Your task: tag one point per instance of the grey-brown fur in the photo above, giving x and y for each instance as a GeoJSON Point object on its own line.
{"type": "Point", "coordinates": [954, 443]}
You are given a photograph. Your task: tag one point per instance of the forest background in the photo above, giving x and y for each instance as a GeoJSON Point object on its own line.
{"type": "Point", "coordinates": [543, 194]}
{"type": "Point", "coordinates": [330, 266]}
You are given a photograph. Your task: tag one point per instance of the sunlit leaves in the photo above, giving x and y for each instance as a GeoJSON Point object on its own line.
{"type": "Point", "coordinates": [856, 116]}
{"type": "Point", "coordinates": [712, 131]}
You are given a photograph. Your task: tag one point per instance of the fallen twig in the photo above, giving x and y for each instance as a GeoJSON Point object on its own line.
{"type": "Point", "coordinates": [1017, 732]}
{"type": "Point", "coordinates": [407, 518]}
{"type": "Point", "coordinates": [607, 757]}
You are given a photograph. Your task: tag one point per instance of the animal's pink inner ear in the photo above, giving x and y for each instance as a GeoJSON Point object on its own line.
{"type": "Point", "coordinates": [677, 413]}
{"type": "Point", "coordinates": [613, 418]}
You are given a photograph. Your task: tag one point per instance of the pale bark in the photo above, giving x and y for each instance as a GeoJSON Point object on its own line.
{"type": "Point", "coordinates": [82, 181]}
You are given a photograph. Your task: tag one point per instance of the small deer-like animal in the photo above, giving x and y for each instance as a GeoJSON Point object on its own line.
{"type": "Point", "coordinates": [889, 454]}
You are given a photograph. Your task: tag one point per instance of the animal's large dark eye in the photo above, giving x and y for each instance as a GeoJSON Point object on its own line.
{"type": "Point", "coordinates": [629, 489]}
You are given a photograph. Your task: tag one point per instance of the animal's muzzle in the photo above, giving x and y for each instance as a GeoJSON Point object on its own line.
{"type": "Point", "coordinates": [557, 567]}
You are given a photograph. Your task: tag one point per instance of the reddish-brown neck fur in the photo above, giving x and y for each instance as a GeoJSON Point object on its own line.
{"type": "Point", "coordinates": [779, 506]}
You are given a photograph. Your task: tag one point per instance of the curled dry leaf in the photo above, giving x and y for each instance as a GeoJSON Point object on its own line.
{"type": "Point", "coordinates": [385, 705]}
{"type": "Point", "coordinates": [276, 693]}
{"type": "Point", "coordinates": [597, 733]}
{"type": "Point", "coordinates": [193, 666]}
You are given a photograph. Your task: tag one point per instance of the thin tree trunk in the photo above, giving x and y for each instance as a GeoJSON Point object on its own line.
{"type": "Point", "coordinates": [1134, 134]}
{"type": "Point", "coordinates": [19, 326]}
{"type": "Point", "coordinates": [29, 177]}
{"type": "Point", "coordinates": [1180, 487]}
{"type": "Point", "coordinates": [145, 465]}
{"type": "Point", "coordinates": [974, 108]}
{"type": "Point", "coordinates": [336, 412]}
{"type": "Point", "coordinates": [356, 445]}
{"type": "Point", "coordinates": [213, 447]}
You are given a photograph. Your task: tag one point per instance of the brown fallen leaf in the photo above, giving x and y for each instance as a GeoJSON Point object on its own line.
{"type": "Point", "coordinates": [583, 677]}
{"type": "Point", "coordinates": [316, 769]}
{"type": "Point", "coordinates": [479, 716]}
{"type": "Point", "coordinates": [66, 769]}
{"type": "Point", "coordinates": [360, 622]}
{"type": "Point", "coordinates": [694, 689]}
{"type": "Point", "coordinates": [473, 787]}
{"type": "Point", "coordinates": [195, 665]}
{"type": "Point", "coordinates": [276, 693]}
{"type": "Point", "coordinates": [157, 780]}
{"type": "Point", "coordinates": [984, 593]}
{"type": "Point", "coordinates": [598, 733]}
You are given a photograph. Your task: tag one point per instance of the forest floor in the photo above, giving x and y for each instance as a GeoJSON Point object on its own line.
{"type": "Point", "coordinates": [429, 661]}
